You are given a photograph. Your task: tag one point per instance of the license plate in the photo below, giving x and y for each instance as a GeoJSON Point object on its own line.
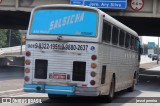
{"type": "Point", "coordinates": [59, 76]}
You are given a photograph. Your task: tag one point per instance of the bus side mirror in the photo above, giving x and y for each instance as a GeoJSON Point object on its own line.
{"type": "Point", "coordinates": [141, 50]}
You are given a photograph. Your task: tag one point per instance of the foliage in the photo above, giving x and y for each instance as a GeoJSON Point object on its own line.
{"type": "Point", "coordinates": [15, 39]}
{"type": "Point", "coordinates": [3, 38]}
{"type": "Point", "coordinates": [12, 36]}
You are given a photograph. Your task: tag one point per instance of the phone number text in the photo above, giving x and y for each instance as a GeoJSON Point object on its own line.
{"type": "Point", "coordinates": [58, 46]}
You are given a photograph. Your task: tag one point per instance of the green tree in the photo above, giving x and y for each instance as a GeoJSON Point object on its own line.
{"type": "Point", "coordinates": [15, 39]}
{"type": "Point", "coordinates": [3, 38]}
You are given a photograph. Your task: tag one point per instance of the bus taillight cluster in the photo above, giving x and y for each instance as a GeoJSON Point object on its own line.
{"type": "Point", "coordinates": [27, 69]}
{"type": "Point", "coordinates": [93, 66]}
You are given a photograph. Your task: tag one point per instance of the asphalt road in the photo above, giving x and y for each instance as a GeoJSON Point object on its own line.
{"type": "Point", "coordinates": [11, 80]}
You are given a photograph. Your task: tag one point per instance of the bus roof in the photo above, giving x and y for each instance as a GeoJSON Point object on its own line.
{"type": "Point", "coordinates": [65, 6]}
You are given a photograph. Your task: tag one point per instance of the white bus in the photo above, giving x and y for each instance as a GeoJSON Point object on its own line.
{"type": "Point", "coordinates": [79, 51]}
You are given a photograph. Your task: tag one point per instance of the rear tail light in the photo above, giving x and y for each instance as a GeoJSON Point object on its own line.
{"type": "Point", "coordinates": [93, 74]}
{"type": "Point", "coordinates": [26, 78]}
{"type": "Point", "coordinates": [93, 57]}
{"type": "Point", "coordinates": [27, 70]}
{"type": "Point", "coordinates": [92, 82]}
{"type": "Point", "coordinates": [27, 62]}
{"type": "Point", "coordinates": [93, 65]}
{"type": "Point", "coordinates": [28, 53]}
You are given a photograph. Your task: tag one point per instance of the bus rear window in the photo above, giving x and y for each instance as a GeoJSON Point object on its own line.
{"type": "Point", "coordinates": [64, 22]}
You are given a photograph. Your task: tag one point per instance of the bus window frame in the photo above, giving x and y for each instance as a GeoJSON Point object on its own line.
{"type": "Point", "coordinates": [110, 25]}
{"type": "Point", "coordinates": [137, 40]}
{"type": "Point", "coordinates": [127, 34]}
{"type": "Point", "coordinates": [132, 42]}
{"type": "Point", "coordinates": [123, 38]}
{"type": "Point", "coordinates": [114, 26]}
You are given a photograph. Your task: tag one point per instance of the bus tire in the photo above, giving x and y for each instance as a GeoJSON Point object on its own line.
{"type": "Point", "coordinates": [111, 91]}
{"type": "Point", "coordinates": [54, 96]}
{"type": "Point", "coordinates": [131, 89]}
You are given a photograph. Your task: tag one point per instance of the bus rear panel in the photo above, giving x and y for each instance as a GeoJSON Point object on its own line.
{"type": "Point", "coordinates": [61, 56]}
{"type": "Point", "coordinates": [61, 68]}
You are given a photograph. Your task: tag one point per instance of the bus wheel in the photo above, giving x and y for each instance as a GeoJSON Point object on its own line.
{"type": "Point", "coordinates": [112, 90]}
{"type": "Point", "coordinates": [54, 96]}
{"type": "Point", "coordinates": [131, 89]}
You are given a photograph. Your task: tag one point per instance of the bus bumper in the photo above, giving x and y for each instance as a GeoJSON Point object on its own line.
{"type": "Point", "coordinates": [88, 91]}
{"type": "Point", "coordinates": [50, 89]}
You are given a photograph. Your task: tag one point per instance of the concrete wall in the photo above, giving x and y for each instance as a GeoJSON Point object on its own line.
{"type": "Point", "coordinates": [15, 14]}
{"type": "Point", "coordinates": [151, 7]}
{"type": "Point", "coordinates": [27, 5]}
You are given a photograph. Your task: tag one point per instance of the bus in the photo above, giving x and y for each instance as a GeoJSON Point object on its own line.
{"type": "Point", "coordinates": [79, 51]}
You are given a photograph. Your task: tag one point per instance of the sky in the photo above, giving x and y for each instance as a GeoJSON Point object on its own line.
{"type": "Point", "coordinates": [146, 39]}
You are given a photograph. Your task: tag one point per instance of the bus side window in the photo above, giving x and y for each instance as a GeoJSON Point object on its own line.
{"type": "Point", "coordinates": [127, 40]}
{"type": "Point", "coordinates": [121, 38]}
{"type": "Point", "coordinates": [106, 34]}
{"type": "Point", "coordinates": [136, 44]}
{"type": "Point", "coordinates": [132, 43]}
{"type": "Point", "coordinates": [139, 50]}
{"type": "Point", "coordinates": [115, 32]}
